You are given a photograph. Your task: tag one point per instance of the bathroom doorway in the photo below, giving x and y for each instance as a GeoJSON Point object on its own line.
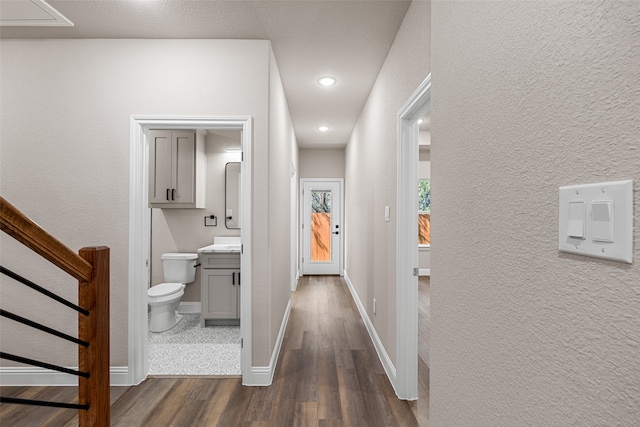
{"type": "Point", "coordinates": [198, 345]}
{"type": "Point", "coordinates": [141, 265]}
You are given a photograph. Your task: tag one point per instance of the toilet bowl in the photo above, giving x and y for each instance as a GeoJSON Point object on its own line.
{"type": "Point", "coordinates": [164, 298]}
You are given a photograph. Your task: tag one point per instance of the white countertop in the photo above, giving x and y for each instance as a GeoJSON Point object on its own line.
{"type": "Point", "coordinates": [219, 248]}
{"type": "Point", "coordinates": [223, 244]}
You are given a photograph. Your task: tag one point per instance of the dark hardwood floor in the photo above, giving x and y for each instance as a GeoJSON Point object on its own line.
{"type": "Point", "coordinates": [421, 406]}
{"type": "Point", "coordinates": [328, 374]}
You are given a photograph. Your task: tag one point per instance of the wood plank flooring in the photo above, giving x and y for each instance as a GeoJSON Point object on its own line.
{"type": "Point", "coordinates": [328, 374]}
{"type": "Point", "coordinates": [420, 407]}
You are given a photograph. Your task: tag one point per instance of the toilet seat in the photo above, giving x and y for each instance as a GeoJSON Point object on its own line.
{"type": "Point", "coordinates": [164, 289]}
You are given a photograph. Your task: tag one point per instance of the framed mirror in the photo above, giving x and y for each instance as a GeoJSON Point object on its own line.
{"type": "Point", "coordinates": [232, 195]}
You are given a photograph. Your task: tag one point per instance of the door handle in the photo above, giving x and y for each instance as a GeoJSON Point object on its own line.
{"type": "Point", "coordinates": [336, 232]}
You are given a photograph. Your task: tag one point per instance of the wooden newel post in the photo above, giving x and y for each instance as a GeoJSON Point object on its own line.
{"type": "Point", "coordinates": [93, 295]}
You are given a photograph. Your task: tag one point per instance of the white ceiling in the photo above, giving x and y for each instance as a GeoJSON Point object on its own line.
{"type": "Point", "coordinates": [348, 40]}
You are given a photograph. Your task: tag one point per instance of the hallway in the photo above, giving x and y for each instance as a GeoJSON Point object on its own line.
{"type": "Point", "coordinates": [328, 374]}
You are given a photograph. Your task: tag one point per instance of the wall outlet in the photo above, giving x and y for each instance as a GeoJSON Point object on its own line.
{"type": "Point", "coordinates": [374, 306]}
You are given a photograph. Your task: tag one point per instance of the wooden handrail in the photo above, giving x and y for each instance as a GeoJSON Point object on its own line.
{"type": "Point", "coordinates": [20, 227]}
{"type": "Point", "coordinates": [91, 268]}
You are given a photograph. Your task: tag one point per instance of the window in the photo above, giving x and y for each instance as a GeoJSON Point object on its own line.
{"type": "Point", "coordinates": [424, 212]}
{"type": "Point", "coordinates": [320, 225]}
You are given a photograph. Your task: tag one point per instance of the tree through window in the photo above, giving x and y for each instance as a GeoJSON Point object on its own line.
{"type": "Point", "coordinates": [424, 212]}
{"type": "Point", "coordinates": [321, 226]}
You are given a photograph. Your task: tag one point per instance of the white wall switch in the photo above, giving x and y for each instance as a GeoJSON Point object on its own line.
{"type": "Point", "coordinates": [602, 216]}
{"type": "Point", "coordinates": [576, 226]}
{"type": "Point", "coordinates": [597, 220]}
{"type": "Point", "coordinates": [387, 212]}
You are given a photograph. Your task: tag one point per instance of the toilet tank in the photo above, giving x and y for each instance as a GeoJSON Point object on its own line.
{"type": "Point", "coordinates": [179, 267]}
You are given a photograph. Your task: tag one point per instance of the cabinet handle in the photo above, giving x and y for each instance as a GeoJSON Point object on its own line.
{"type": "Point", "coordinates": [239, 283]}
{"type": "Point", "coordinates": [233, 280]}
{"type": "Point", "coordinates": [173, 194]}
{"type": "Point", "coordinates": [167, 194]}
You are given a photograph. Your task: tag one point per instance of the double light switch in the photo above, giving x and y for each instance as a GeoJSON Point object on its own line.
{"type": "Point", "coordinates": [597, 220]}
{"type": "Point", "coordinates": [602, 221]}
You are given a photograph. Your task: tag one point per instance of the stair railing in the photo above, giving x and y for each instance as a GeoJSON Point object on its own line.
{"type": "Point", "coordinates": [91, 268]}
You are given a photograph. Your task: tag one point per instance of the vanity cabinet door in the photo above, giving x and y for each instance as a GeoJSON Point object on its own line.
{"type": "Point", "coordinates": [220, 293]}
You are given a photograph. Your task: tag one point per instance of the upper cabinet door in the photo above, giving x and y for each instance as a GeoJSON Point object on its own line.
{"type": "Point", "coordinates": [185, 166]}
{"type": "Point", "coordinates": [160, 166]}
{"type": "Point", "coordinates": [176, 169]}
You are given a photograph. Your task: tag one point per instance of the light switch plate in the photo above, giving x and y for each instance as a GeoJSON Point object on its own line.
{"type": "Point", "coordinates": [608, 225]}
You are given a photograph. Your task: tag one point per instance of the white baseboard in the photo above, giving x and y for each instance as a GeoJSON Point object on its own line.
{"type": "Point", "coordinates": [189, 307]}
{"type": "Point", "coordinates": [263, 375]}
{"type": "Point", "coordinates": [18, 376]}
{"type": "Point", "coordinates": [377, 343]}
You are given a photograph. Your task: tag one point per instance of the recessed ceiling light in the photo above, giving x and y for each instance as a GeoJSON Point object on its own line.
{"type": "Point", "coordinates": [327, 81]}
{"type": "Point", "coordinates": [421, 120]}
{"type": "Point", "coordinates": [323, 128]}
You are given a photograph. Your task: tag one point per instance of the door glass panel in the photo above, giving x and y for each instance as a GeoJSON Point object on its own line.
{"type": "Point", "coordinates": [320, 225]}
{"type": "Point", "coordinates": [424, 212]}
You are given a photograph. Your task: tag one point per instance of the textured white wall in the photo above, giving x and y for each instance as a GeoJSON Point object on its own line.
{"type": "Point", "coordinates": [424, 137]}
{"type": "Point", "coordinates": [527, 97]}
{"type": "Point", "coordinates": [371, 173]}
{"type": "Point", "coordinates": [65, 115]}
{"type": "Point", "coordinates": [281, 155]}
{"type": "Point", "coordinates": [322, 163]}
{"type": "Point", "coordinates": [424, 165]}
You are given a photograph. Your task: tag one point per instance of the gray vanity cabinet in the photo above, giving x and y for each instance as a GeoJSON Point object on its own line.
{"type": "Point", "coordinates": [220, 288]}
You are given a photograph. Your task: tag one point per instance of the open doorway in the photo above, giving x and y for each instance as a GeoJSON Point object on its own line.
{"type": "Point", "coordinates": [407, 265]}
{"type": "Point", "coordinates": [203, 338]}
{"type": "Point", "coordinates": [140, 228]}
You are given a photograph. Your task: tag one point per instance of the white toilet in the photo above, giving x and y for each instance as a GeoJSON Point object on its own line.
{"type": "Point", "coordinates": [179, 269]}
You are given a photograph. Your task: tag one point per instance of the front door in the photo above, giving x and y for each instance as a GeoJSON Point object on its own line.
{"type": "Point", "coordinates": [321, 227]}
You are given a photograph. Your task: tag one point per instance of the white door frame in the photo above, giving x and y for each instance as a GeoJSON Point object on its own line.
{"type": "Point", "coordinates": [140, 229]}
{"type": "Point", "coordinates": [340, 181]}
{"type": "Point", "coordinates": [419, 103]}
{"type": "Point", "coordinates": [293, 218]}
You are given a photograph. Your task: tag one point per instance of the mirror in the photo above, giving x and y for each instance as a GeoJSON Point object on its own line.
{"type": "Point", "coordinates": [232, 195]}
